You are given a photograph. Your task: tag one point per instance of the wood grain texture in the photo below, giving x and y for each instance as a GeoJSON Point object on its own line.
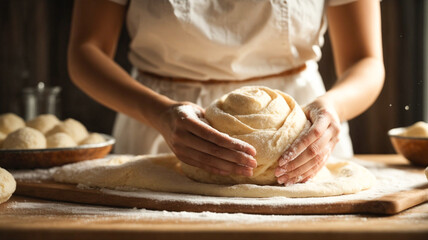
{"type": "Point", "coordinates": [389, 204]}
{"type": "Point", "coordinates": [28, 224]}
{"type": "Point", "coordinates": [17, 223]}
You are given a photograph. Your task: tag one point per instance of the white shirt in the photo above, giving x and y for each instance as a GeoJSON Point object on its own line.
{"type": "Point", "coordinates": [225, 39]}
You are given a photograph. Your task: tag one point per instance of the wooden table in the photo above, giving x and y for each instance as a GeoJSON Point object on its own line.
{"type": "Point", "coordinates": [18, 223]}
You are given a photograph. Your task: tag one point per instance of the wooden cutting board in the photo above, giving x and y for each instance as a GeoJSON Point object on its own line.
{"type": "Point", "coordinates": [389, 204]}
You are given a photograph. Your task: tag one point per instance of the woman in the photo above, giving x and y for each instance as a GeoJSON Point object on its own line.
{"type": "Point", "coordinates": [192, 52]}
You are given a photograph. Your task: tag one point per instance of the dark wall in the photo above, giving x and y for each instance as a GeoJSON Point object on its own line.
{"type": "Point", "coordinates": [402, 33]}
{"type": "Point", "coordinates": [403, 48]}
{"type": "Point", "coordinates": [33, 47]}
{"type": "Point", "coordinates": [34, 36]}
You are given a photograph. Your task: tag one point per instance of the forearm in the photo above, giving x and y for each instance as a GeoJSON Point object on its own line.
{"type": "Point", "coordinates": [356, 89]}
{"type": "Point", "coordinates": [105, 81]}
{"type": "Point", "coordinates": [355, 34]}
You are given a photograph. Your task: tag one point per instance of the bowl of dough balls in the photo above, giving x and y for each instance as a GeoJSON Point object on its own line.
{"type": "Point", "coordinates": [411, 142]}
{"type": "Point", "coordinates": [46, 141]}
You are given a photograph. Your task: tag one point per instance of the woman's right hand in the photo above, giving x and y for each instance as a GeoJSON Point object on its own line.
{"type": "Point", "coordinates": [198, 144]}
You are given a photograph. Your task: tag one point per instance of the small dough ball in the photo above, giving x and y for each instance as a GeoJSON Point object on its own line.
{"type": "Point", "coordinates": [2, 138]}
{"type": "Point", "coordinates": [25, 138]}
{"type": "Point", "coordinates": [10, 122]}
{"type": "Point", "coordinates": [60, 140]}
{"type": "Point", "coordinates": [419, 129]}
{"type": "Point", "coordinates": [93, 138]}
{"type": "Point", "coordinates": [73, 128]}
{"type": "Point", "coordinates": [7, 185]}
{"type": "Point", "coordinates": [43, 123]}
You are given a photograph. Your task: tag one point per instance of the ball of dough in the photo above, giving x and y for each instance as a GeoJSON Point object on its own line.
{"type": "Point", "coordinates": [73, 128]}
{"type": "Point", "coordinates": [269, 120]}
{"type": "Point", "coordinates": [10, 122]}
{"type": "Point", "coordinates": [43, 123]}
{"type": "Point", "coordinates": [25, 138]}
{"type": "Point", "coordinates": [7, 185]}
{"type": "Point", "coordinates": [93, 138]}
{"type": "Point", "coordinates": [419, 129]}
{"type": "Point", "coordinates": [60, 140]}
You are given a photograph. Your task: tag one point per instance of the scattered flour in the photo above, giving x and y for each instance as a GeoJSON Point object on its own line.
{"type": "Point", "coordinates": [97, 213]}
{"type": "Point", "coordinates": [389, 181]}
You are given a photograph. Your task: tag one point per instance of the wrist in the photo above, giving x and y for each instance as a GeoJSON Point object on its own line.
{"type": "Point", "coordinates": [153, 111]}
{"type": "Point", "coordinates": [330, 104]}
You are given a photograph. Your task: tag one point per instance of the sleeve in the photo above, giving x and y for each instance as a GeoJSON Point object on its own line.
{"type": "Point", "coordinates": [121, 2]}
{"type": "Point", "coordinates": [333, 3]}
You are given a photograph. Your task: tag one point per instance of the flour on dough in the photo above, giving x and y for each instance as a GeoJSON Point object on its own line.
{"type": "Point", "coordinates": [268, 119]}
{"type": "Point", "coordinates": [162, 173]}
{"type": "Point", "coordinates": [25, 138]}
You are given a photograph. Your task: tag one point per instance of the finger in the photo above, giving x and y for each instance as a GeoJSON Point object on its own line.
{"type": "Point", "coordinates": [296, 175]}
{"type": "Point", "coordinates": [302, 142]}
{"type": "Point", "coordinates": [196, 107]}
{"type": "Point", "coordinates": [310, 152]}
{"type": "Point", "coordinates": [308, 174]}
{"type": "Point", "coordinates": [302, 174]}
{"type": "Point", "coordinates": [233, 156]}
{"type": "Point", "coordinates": [213, 162]}
{"type": "Point", "coordinates": [310, 168]}
{"type": "Point", "coordinates": [306, 179]}
{"type": "Point", "coordinates": [211, 134]}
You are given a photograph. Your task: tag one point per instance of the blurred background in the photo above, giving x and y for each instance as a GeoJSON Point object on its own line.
{"type": "Point", "coordinates": [33, 48]}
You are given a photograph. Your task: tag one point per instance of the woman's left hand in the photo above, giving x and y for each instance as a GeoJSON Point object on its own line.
{"type": "Point", "coordinates": [310, 151]}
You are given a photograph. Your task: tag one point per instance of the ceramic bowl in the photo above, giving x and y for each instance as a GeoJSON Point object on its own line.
{"type": "Point", "coordinates": [414, 149]}
{"type": "Point", "coordinates": [51, 157]}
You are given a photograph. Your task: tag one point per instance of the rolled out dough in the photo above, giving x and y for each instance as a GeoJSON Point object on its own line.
{"type": "Point", "coordinates": [162, 173]}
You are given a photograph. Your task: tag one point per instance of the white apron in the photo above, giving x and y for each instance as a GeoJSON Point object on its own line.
{"type": "Point", "coordinates": [222, 39]}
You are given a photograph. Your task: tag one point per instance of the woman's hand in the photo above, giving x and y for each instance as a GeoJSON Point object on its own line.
{"type": "Point", "coordinates": [310, 151]}
{"type": "Point", "coordinates": [198, 144]}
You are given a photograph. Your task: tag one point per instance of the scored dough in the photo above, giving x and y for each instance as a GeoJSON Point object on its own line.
{"type": "Point", "coordinates": [269, 120]}
{"type": "Point", "coordinates": [7, 185]}
{"type": "Point", "coordinates": [161, 173]}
